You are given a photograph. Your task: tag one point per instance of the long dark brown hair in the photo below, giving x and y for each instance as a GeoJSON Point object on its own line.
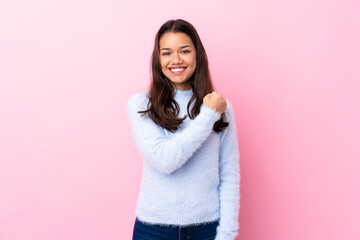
{"type": "Point", "coordinates": [162, 108]}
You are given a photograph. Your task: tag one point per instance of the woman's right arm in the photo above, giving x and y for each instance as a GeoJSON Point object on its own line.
{"type": "Point", "coordinates": [166, 154]}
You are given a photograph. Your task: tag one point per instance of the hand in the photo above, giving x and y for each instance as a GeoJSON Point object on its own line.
{"type": "Point", "coordinates": [215, 101]}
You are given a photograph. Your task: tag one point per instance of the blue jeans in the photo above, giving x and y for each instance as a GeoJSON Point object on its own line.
{"type": "Point", "coordinates": [205, 231]}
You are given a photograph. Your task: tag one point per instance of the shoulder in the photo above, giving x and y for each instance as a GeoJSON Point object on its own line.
{"type": "Point", "coordinates": [229, 112]}
{"type": "Point", "coordinates": [137, 101]}
{"type": "Point", "coordinates": [230, 118]}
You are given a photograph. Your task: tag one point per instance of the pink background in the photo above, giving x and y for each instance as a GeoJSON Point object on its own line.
{"type": "Point", "coordinates": [69, 168]}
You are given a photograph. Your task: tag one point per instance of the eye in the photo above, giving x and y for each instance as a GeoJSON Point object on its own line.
{"type": "Point", "coordinates": [185, 51]}
{"type": "Point", "coordinates": [165, 54]}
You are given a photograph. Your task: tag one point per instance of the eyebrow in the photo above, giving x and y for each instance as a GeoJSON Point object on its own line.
{"type": "Point", "coordinates": [180, 47]}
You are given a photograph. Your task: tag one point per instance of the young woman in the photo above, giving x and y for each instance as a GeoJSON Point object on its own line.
{"type": "Point", "coordinates": [186, 134]}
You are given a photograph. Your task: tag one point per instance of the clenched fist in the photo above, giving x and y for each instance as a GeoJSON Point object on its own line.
{"type": "Point", "coordinates": [215, 101]}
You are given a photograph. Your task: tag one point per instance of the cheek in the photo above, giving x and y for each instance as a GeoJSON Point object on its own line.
{"type": "Point", "coordinates": [193, 61]}
{"type": "Point", "coordinates": [193, 66]}
{"type": "Point", "coordinates": [163, 63]}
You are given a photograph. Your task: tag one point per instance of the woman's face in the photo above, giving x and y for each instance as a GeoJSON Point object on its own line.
{"type": "Point", "coordinates": [177, 58]}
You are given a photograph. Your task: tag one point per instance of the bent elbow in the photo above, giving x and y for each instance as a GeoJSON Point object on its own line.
{"type": "Point", "coordinates": [161, 160]}
{"type": "Point", "coordinates": [161, 165]}
{"type": "Point", "coordinates": [168, 171]}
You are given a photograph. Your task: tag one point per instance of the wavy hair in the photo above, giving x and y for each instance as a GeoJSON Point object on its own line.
{"type": "Point", "coordinates": [162, 108]}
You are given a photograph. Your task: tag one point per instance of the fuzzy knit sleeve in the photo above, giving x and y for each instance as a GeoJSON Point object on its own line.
{"type": "Point", "coordinates": [167, 153]}
{"type": "Point", "coordinates": [229, 187]}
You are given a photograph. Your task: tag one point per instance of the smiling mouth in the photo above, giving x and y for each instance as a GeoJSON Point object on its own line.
{"type": "Point", "coordinates": [177, 70]}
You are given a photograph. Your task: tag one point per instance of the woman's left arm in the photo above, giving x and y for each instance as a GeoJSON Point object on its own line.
{"type": "Point", "coordinates": [229, 188]}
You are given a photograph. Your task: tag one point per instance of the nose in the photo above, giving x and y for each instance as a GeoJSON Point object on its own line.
{"type": "Point", "coordinates": [176, 59]}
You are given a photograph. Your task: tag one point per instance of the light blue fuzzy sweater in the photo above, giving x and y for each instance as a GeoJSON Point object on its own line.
{"type": "Point", "coordinates": [191, 176]}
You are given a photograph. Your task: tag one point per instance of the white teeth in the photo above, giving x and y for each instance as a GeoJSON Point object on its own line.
{"type": "Point", "coordinates": [176, 69]}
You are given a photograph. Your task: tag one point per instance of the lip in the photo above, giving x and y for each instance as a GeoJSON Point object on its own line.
{"type": "Point", "coordinates": [178, 67]}
{"type": "Point", "coordinates": [177, 73]}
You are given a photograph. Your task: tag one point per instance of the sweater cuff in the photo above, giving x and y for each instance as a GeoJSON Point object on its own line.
{"type": "Point", "coordinates": [210, 113]}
